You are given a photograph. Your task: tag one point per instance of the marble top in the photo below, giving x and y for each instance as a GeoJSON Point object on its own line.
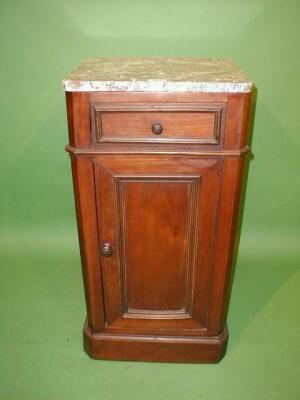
{"type": "Point", "coordinates": [157, 74]}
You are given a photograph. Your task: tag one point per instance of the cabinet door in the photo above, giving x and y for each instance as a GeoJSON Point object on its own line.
{"type": "Point", "coordinates": [158, 214]}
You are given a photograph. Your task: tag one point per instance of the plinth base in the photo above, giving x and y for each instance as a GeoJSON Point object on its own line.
{"type": "Point", "coordinates": [184, 349]}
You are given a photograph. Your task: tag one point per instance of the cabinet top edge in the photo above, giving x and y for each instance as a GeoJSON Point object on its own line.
{"type": "Point", "coordinates": [157, 74]}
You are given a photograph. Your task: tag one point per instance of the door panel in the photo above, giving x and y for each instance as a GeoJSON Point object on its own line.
{"type": "Point", "coordinates": [159, 215]}
{"type": "Point", "coordinates": [156, 229]}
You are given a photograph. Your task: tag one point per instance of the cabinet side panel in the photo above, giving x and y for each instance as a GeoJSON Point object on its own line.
{"type": "Point", "coordinates": [78, 119]}
{"type": "Point", "coordinates": [224, 243]}
{"type": "Point", "coordinates": [237, 121]}
{"type": "Point", "coordinates": [84, 193]}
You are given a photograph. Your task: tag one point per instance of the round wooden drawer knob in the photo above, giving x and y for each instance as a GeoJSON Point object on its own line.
{"type": "Point", "coordinates": [106, 250]}
{"type": "Point", "coordinates": [157, 129]}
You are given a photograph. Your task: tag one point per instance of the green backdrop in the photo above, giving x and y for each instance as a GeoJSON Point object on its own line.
{"type": "Point", "coordinates": [41, 298]}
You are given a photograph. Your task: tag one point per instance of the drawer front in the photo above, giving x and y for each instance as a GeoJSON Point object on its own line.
{"type": "Point", "coordinates": [201, 123]}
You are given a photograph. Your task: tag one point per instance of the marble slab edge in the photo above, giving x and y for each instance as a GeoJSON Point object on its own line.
{"type": "Point", "coordinates": [156, 86]}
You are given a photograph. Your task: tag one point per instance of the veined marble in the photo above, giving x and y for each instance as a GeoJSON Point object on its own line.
{"type": "Point", "coordinates": [157, 75]}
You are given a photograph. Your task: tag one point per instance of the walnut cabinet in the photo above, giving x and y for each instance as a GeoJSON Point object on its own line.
{"type": "Point", "coordinates": [157, 179]}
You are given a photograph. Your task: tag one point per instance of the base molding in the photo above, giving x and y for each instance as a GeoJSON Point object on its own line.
{"type": "Point", "coordinates": [184, 349]}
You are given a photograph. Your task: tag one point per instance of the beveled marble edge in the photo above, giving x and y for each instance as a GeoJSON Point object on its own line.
{"type": "Point", "coordinates": [156, 86]}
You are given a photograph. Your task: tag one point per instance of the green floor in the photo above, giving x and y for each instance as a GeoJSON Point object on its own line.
{"type": "Point", "coordinates": [42, 311]}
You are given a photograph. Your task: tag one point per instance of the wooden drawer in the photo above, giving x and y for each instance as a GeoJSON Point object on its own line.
{"type": "Point", "coordinates": [198, 123]}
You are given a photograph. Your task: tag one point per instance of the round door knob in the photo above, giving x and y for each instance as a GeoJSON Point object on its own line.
{"type": "Point", "coordinates": [157, 129]}
{"type": "Point", "coordinates": [106, 250]}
